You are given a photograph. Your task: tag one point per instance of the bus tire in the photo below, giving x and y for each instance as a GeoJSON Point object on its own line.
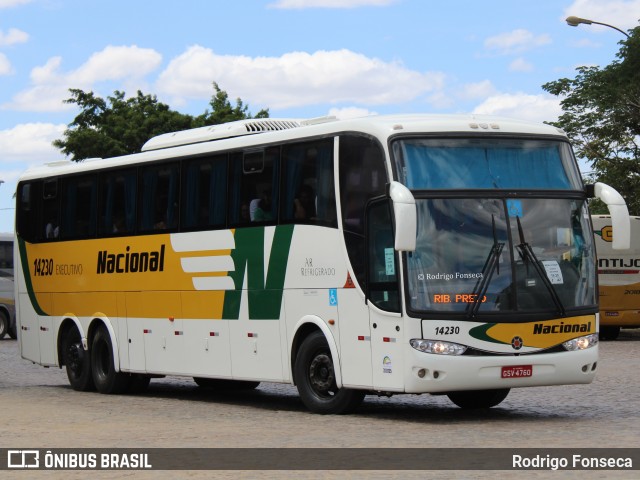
{"type": "Point", "coordinates": [105, 376]}
{"type": "Point", "coordinates": [13, 332]}
{"type": "Point", "coordinates": [472, 399]}
{"type": "Point", "coordinates": [315, 378]}
{"type": "Point", "coordinates": [77, 361]}
{"type": "Point", "coordinates": [4, 324]}
{"type": "Point", "coordinates": [222, 384]}
{"type": "Point", "coordinates": [609, 333]}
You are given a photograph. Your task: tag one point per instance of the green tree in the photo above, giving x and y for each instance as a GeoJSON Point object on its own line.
{"type": "Point", "coordinates": [118, 126]}
{"type": "Point", "coordinates": [601, 115]}
{"type": "Point", "coordinates": [222, 111]}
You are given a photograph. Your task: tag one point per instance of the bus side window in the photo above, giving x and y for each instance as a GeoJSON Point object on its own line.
{"type": "Point", "coordinates": [79, 206]}
{"type": "Point", "coordinates": [362, 177]}
{"type": "Point", "coordinates": [158, 194]}
{"type": "Point", "coordinates": [254, 186]}
{"type": "Point", "coordinates": [28, 222]}
{"type": "Point", "coordinates": [204, 193]}
{"type": "Point", "coordinates": [51, 210]}
{"type": "Point", "coordinates": [382, 278]}
{"type": "Point", "coordinates": [117, 205]}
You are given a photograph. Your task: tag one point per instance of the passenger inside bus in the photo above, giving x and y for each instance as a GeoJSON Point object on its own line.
{"type": "Point", "coordinates": [304, 204]}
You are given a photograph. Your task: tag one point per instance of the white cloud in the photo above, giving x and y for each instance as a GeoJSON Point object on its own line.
{"type": "Point", "coordinates": [520, 65]}
{"type": "Point", "coordinates": [30, 143]}
{"type": "Point", "coordinates": [295, 79]}
{"type": "Point", "coordinates": [49, 84]}
{"type": "Point", "coordinates": [350, 112]}
{"type": "Point", "coordinates": [5, 65]}
{"type": "Point", "coordinates": [523, 106]}
{"type": "Point", "coordinates": [301, 4]}
{"type": "Point", "coordinates": [12, 3]}
{"type": "Point", "coordinates": [481, 89]}
{"type": "Point", "coordinates": [516, 41]}
{"type": "Point", "coordinates": [623, 14]}
{"type": "Point", "coordinates": [12, 37]}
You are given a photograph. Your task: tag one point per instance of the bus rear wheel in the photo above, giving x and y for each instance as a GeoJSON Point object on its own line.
{"type": "Point", "coordinates": [316, 381]}
{"type": "Point", "coordinates": [478, 398]}
{"type": "Point", "coordinates": [77, 362]}
{"type": "Point", "coordinates": [105, 376]}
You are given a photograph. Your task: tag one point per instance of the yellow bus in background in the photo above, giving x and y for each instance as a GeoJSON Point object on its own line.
{"type": "Point", "coordinates": [619, 278]}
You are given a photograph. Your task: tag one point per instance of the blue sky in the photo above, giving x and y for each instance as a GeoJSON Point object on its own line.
{"type": "Point", "coordinates": [299, 58]}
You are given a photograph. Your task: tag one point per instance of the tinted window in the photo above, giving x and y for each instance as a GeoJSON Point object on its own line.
{"type": "Point", "coordinates": [204, 192]}
{"type": "Point", "coordinates": [117, 210]}
{"type": "Point", "coordinates": [158, 198]}
{"type": "Point", "coordinates": [308, 194]}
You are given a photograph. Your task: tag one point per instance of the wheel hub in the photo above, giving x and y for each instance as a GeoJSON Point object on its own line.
{"type": "Point", "coordinates": [75, 357]}
{"type": "Point", "coordinates": [321, 373]}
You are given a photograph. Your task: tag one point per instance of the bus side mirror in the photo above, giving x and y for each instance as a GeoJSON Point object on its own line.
{"type": "Point", "coordinates": [405, 216]}
{"type": "Point", "coordinates": [619, 213]}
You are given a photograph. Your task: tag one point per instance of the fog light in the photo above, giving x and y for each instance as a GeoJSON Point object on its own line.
{"type": "Point", "coordinates": [581, 343]}
{"type": "Point", "coordinates": [422, 372]}
{"type": "Point", "coordinates": [437, 346]}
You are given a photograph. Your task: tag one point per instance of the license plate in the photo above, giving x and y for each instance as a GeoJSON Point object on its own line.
{"type": "Point", "coordinates": [517, 371]}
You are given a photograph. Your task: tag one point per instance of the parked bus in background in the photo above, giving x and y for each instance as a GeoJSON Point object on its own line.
{"type": "Point", "coordinates": [618, 278]}
{"type": "Point", "coordinates": [7, 304]}
{"type": "Point", "coordinates": [382, 255]}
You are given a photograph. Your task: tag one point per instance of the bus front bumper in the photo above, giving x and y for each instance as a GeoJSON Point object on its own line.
{"type": "Point", "coordinates": [432, 373]}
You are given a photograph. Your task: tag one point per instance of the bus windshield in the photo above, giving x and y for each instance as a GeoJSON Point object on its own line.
{"type": "Point", "coordinates": [499, 253]}
{"type": "Point", "coordinates": [455, 163]}
{"type": "Point", "coordinates": [478, 256]}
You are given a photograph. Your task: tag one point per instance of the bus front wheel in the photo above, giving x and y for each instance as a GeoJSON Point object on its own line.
{"type": "Point", "coordinates": [77, 362]}
{"type": "Point", "coordinates": [478, 398]}
{"type": "Point", "coordinates": [105, 376]}
{"type": "Point", "coordinates": [315, 378]}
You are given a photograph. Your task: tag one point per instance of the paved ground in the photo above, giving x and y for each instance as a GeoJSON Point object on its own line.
{"type": "Point", "coordinates": [40, 410]}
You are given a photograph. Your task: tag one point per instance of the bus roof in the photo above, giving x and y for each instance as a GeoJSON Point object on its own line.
{"type": "Point", "coordinates": [255, 132]}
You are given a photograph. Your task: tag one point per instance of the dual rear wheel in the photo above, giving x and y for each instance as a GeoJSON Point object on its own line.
{"type": "Point", "coordinates": [95, 369]}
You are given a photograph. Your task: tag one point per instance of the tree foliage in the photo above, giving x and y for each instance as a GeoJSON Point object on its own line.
{"type": "Point", "coordinates": [601, 115]}
{"type": "Point", "coordinates": [222, 111]}
{"type": "Point", "coordinates": [118, 126]}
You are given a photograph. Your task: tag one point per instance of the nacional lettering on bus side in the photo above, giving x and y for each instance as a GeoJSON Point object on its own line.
{"type": "Point", "coordinates": [130, 262]}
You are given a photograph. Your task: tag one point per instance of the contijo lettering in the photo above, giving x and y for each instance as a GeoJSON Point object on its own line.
{"type": "Point", "coordinates": [576, 461]}
{"type": "Point", "coordinates": [130, 262]}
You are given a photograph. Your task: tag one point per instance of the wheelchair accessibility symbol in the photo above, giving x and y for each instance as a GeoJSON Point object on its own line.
{"type": "Point", "coordinates": [333, 297]}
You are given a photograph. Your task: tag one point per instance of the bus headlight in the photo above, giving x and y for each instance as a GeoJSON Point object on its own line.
{"type": "Point", "coordinates": [581, 343]}
{"type": "Point", "coordinates": [437, 346]}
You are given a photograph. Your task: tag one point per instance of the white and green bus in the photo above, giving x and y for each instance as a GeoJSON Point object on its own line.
{"type": "Point", "coordinates": [382, 255]}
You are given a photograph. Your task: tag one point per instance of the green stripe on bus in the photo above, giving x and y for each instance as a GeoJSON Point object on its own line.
{"type": "Point", "coordinates": [264, 296]}
{"type": "Point", "coordinates": [24, 262]}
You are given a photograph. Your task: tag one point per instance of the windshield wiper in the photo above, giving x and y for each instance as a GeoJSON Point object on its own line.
{"type": "Point", "coordinates": [492, 264]}
{"type": "Point", "coordinates": [528, 256]}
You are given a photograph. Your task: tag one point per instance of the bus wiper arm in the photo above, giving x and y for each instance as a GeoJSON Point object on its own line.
{"type": "Point", "coordinates": [528, 256]}
{"type": "Point", "coordinates": [492, 264]}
